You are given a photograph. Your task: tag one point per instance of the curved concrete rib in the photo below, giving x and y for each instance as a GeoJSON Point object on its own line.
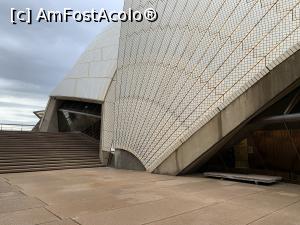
{"type": "Point", "coordinates": [209, 139]}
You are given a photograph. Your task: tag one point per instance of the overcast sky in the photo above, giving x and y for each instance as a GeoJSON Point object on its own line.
{"type": "Point", "coordinates": [34, 58]}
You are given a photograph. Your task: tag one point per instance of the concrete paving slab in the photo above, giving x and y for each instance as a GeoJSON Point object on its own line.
{"type": "Point", "coordinates": [6, 187]}
{"type": "Point", "coordinates": [202, 184]}
{"type": "Point", "coordinates": [74, 209]}
{"type": "Point", "coordinates": [16, 204]}
{"type": "Point", "coordinates": [217, 214]}
{"type": "Point", "coordinates": [217, 194]}
{"type": "Point", "coordinates": [61, 222]}
{"type": "Point", "coordinates": [267, 201]}
{"type": "Point", "coordinates": [287, 216]}
{"type": "Point", "coordinates": [117, 197]}
{"type": "Point", "coordinates": [11, 195]}
{"type": "Point", "coordinates": [27, 217]}
{"type": "Point", "coordinates": [292, 189]}
{"type": "Point", "coordinates": [140, 214]}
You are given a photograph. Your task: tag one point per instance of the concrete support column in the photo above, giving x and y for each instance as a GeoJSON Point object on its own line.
{"type": "Point", "coordinates": [50, 120]}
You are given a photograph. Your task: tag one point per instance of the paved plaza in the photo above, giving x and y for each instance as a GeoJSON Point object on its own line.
{"type": "Point", "coordinates": [117, 197]}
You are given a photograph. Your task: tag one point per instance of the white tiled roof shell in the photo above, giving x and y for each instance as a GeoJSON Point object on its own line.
{"type": "Point", "coordinates": [175, 74]}
{"type": "Point", "coordinates": [91, 76]}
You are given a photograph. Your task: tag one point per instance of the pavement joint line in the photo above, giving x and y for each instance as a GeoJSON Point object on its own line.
{"type": "Point", "coordinates": [7, 182]}
{"type": "Point", "coordinates": [22, 191]}
{"type": "Point", "coordinates": [141, 203]}
{"type": "Point", "coordinates": [182, 213]}
{"type": "Point", "coordinates": [19, 210]}
{"type": "Point", "coordinates": [270, 213]}
{"type": "Point", "coordinates": [75, 221]}
{"type": "Point", "coordinates": [39, 199]}
{"type": "Point", "coordinates": [13, 185]}
{"type": "Point", "coordinates": [50, 221]}
{"type": "Point", "coordinates": [243, 196]}
{"type": "Point", "coordinates": [5, 179]}
{"type": "Point", "coordinates": [32, 197]}
{"type": "Point", "coordinates": [198, 209]}
{"type": "Point", "coordinates": [18, 188]}
{"type": "Point", "coordinates": [59, 217]}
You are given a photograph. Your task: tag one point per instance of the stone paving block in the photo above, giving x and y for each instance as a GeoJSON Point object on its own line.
{"type": "Point", "coordinates": [202, 184]}
{"type": "Point", "coordinates": [267, 201]}
{"type": "Point", "coordinates": [287, 216]}
{"type": "Point", "coordinates": [217, 194]}
{"type": "Point", "coordinates": [15, 204]}
{"type": "Point", "coordinates": [289, 189]}
{"type": "Point", "coordinates": [174, 182]}
{"type": "Point", "coordinates": [76, 208]}
{"type": "Point", "coordinates": [61, 222]}
{"type": "Point", "coordinates": [217, 214]}
{"type": "Point", "coordinates": [140, 214]}
{"type": "Point", "coordinates": [107, 196]}
{"type": "Point", "coordinates": [138, 198]}
{"type": "Point", "coordinates": [6, 187]}
{"type": "Point", "coordinates": [11, 195]}
{"type": "Point", "coordinates": [27, 217]}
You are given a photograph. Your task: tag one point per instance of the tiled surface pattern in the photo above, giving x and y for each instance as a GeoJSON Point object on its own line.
{"type": "Point", "coordinates": [108, 111]}
{"type": "Point", "coordinates": [175, 74]}
{"type": "Point", "coordinates": [91, 75]}
{"type": "Point", "coordinates": [104, 196]}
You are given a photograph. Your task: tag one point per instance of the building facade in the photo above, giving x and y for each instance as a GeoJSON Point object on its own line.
{"type": "Point", "coordinates": [160, 84]}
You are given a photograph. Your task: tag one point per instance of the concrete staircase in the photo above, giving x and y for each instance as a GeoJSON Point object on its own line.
{"type": "Point", "coordinates": [36, 151]}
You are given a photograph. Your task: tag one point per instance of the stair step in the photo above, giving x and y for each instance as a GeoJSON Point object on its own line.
{"type": "Point", "coordinates": [37, 143]}
{"type": "Point", "coordinates": [48, 165]}
{"type": "Point", "coordinates": [44, 159]}
{"type": "Point", "coordinates": [16, 156]}
{"type": "Point", "coordinates": [46, 162]}
{"type": "Point", "coordinates": [21, 157]}
{"type": "Point", "coordinates": [46, 149]}
{"type": "Point", "coordinates": [22, 170]}
{"type": "Point", "coordinates": [30, 151]}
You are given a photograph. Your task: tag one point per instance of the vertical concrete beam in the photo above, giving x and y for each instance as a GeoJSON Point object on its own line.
{"type": "Point", "coordinates": [50, 120]}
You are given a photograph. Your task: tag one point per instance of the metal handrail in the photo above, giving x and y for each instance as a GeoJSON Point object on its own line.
{"type": "Point", "coordinates": [15, 127]}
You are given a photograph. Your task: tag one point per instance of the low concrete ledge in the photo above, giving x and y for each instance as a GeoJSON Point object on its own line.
{"type": "Point", "coordinates": [257, 179]}
{"type": "Point", "coordinates": [126, 160]}
{"type": "Point", "coordinates": [210, 138]}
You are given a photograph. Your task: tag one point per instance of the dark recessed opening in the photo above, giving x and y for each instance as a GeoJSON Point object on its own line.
{"type": "Point", "coordinates": [76, 116]}
{"type": "Point", "coordinates": [268, 145]}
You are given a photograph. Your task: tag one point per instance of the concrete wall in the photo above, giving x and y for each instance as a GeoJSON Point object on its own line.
{"type": "Point", "coordinates": [50, 121]}
{"type": "Point", "coordinates": [126, 160]}
{"type": "Point", "coordinates": [206, 141]}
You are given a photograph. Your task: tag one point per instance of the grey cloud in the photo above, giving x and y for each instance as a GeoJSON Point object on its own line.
{"type": "Point", "coordinates": [34, 58]}
{"type": "Point", "coordinates": [7, 104]}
